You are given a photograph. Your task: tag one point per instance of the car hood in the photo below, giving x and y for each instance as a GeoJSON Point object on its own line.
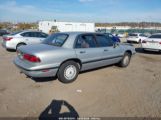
{"type": "Point", "coordinates": [37, 48]}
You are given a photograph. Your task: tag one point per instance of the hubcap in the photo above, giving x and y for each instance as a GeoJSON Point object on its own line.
{"type": "Point", "coordinates": [70, 72]}
{"type": "Point", "coordinates": [126, 60]}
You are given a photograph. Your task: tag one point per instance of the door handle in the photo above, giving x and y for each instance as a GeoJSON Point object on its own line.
{"type": "Point", "coordinates": [82, 52]}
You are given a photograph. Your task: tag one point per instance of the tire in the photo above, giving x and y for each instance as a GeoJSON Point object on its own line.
{"type": "Point", "coordinates": [68, 72]}
{"type": "Point", "coordinates": [144, 50]}
{"type": "Point", "coordinates": [125, 60]}
{"type": "Point", "coordinates": [20, 44]}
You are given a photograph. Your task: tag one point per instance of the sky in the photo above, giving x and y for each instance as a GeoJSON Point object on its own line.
{"type": "Point", "coordinates": [81, 10]}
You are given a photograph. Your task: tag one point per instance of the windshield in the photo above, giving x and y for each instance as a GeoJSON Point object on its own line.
{"type": "Point", "coordinates": [57, 39]}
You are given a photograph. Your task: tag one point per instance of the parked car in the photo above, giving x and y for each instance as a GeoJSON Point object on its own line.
{"type": "Point", "coordinates": [17, 39]}
{"type": "Point", "coordinates": [136, 37]}
{"type": "Point", "coordinates": [66, 54]}
{"type": "Point", "coordinates": [153, 43]}
{"type": "Point", "coordinates": [4, 32]}
{"type": "Point", "coordinates": [114, 38]}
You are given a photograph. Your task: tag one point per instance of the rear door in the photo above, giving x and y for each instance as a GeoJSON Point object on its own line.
{"type": "Point", "coordinates": [111, 52]}
{"type": "Point", "coordinates": [88, 51]}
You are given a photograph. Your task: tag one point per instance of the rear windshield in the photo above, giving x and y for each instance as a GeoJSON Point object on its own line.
{"type": "Point", "coordinates": [133, 35]}
{"type": "Point", "coordinates": [15, 33]}
{"type": "Point", "coordinates": [155, 36]}
{"type": "Point", "coordinates": [57, 39]}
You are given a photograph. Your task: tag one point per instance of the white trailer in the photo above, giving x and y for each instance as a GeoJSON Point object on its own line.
{"type": "Point", "coordinates": [45, 26]}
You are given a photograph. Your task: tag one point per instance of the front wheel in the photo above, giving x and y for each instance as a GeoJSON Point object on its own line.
{"type": "Point", "coordinates": [126, 60]}
{"type": "Point", "coordinates": [68, 72]}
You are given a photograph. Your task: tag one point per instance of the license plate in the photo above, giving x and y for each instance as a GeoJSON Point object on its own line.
{"type": "Point", "coordinates": [153, 43]}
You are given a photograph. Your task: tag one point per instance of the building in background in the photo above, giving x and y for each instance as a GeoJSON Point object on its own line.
{"type": "Point", "coordinates": [49, 26]}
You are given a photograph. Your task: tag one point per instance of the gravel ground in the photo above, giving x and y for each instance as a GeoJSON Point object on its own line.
{"type": "Point", "coordinates": [106, 92]}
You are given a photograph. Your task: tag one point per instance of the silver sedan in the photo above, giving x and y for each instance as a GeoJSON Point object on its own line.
{"type": "Point", "coordinates": [66, 54]}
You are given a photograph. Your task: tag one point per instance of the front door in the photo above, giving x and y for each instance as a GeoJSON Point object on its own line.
{"type": "Point", "coordinates": [87, 51]}
{"type": "Point", "coordinates": [110, 53]}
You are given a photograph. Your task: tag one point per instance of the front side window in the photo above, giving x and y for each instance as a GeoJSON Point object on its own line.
{"type": "Point", "coordinates": [41, 35]}
{"type": "Point", "coordinates": [56, 39]}
{"type": "Point", "coordinates": [104, 41]}
{"type": "Point", "coordinates": [86, 41]}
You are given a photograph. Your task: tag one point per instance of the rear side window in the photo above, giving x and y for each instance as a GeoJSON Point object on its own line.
{"type": "Point", "coordinates": [155, 36]}
{"type": "Point", "coordinates": [43, 35]}
{"type": "Point", "coordinates": [104, 41]}
{"type": "Point", "coordinates": [86, 41]}
{"type": "Point", "coordinates": [28, 34]}
{"type": "Point", "coordinates": [56, 39]}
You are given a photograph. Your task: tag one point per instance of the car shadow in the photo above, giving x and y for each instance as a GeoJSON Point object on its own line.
{"type": "Point", "coordinates": [46, 79]}
{"type": "Point", "coordinates": [49, 79]}
{"type": "Point", "coordinates": [53, 111]}
{"type": "Point", "coordinates": [140, 50]}
{"type": "Point", "coordinates": [10, 50]}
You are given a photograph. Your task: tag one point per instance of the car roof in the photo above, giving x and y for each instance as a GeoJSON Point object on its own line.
{"type": "Point", "coordinates": [77, 33]}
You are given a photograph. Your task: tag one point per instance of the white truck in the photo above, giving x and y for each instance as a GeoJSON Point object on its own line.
{"type": "Point", "coordinates": [46, 26]}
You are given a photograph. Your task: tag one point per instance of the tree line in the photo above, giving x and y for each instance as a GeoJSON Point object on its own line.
{"type": "Point", "coordinates": [131, 24]}
{"type": "Point", "coordinates": [18, 26]}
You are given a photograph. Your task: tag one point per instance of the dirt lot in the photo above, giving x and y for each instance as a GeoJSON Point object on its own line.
{"type": "Point", "coordinates": [110, 91]}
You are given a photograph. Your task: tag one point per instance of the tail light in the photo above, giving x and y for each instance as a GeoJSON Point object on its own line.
{"type": "Point", "coordinates": [144, 41]}
{"type": "Point", "coordinates": [159, 42]}
{"type": "Point", "coordinates": [31, 58]}
{"type": "Point", "coordinates": [7, 38]}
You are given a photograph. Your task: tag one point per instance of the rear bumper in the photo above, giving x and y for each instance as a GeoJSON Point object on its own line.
{"type": "Point", "coordinates": [46, 72]}
{"type": "Point", "coordinates": [151, 48]}
{"type": "Point", "coordinates": [132, 40]}
{"type": "Point", "coordinates": [8, 45]}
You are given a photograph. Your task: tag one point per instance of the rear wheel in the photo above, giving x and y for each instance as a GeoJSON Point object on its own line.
{"type": "Point", "coordinates": [68, 72]}
{"type": "Point", "coordinates": [126, 60]}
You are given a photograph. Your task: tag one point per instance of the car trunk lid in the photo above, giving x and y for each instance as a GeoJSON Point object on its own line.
{"type": "Point", "coordinates": [37, 48]}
